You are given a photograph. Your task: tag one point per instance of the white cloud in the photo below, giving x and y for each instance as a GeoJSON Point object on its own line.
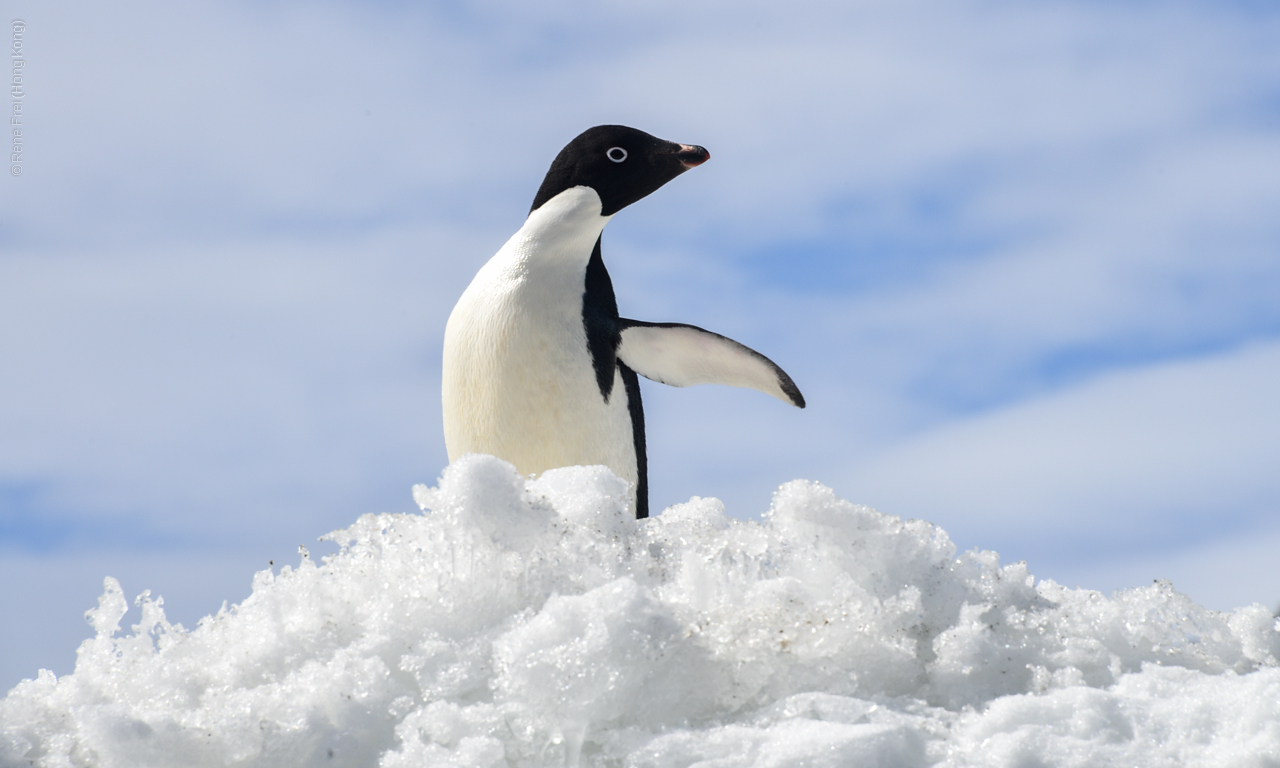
{"type": "Point", "coordinates": [1160, 457]}
{"type": "Point", "coordinates": [1221, 573]}
{"type": "Point", "coordinates": [218, 379]}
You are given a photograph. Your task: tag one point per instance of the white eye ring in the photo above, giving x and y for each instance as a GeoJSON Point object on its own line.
{"type": "Point", "coordinates": [616, 154]}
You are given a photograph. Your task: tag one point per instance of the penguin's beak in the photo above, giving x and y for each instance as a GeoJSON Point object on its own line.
{"type": "Point", "coordinates": [691, 155]}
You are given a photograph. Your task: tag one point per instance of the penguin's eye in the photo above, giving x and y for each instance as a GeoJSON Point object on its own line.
{"type": "Point", "coordinates": [616, 154]}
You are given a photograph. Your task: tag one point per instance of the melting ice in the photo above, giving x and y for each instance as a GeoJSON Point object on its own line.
{"type": "Point", "coordinates": [533, 623]}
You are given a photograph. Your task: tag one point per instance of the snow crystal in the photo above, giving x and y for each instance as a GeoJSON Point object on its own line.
{"type": "Point", "coordinates": [529, 623]}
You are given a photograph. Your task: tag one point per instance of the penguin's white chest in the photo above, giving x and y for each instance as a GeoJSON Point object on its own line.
{"type": "Point", "coordinates": [518, 377]}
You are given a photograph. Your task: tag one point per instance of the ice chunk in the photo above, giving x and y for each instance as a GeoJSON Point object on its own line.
{"type": "Point", "coordinates": [535, 622]}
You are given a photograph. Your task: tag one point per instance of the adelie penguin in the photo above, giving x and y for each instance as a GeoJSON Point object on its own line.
{"type": "Point", "coordinates": [539, 369]}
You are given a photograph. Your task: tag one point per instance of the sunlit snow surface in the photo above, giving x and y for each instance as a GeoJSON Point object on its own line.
{"type": "Point", "coordinates": [532, 623]}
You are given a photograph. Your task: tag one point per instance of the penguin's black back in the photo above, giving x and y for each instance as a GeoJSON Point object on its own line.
{"type": "Point", "coordinates": [600, 321]}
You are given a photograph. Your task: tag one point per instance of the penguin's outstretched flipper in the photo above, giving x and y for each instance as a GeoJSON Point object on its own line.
{"type": "Point", "coordinates": [683, 355]}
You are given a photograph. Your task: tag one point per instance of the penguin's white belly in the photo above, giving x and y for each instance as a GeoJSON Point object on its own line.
{"type": "Point", "coordinates": [521, 387]}
{"type": "Point", "coordinates": [518, 377]}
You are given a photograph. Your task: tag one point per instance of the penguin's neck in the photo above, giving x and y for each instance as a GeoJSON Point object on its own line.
{"type": "Point", "coordinates": [561, 233]}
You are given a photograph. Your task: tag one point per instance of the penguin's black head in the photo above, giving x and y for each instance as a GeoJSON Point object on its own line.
{"type": "Point", "coordinates": [621, 164]}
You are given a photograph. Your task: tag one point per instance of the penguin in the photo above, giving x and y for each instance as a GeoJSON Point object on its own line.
{"type": "Point", "coordinates": [539, 368]}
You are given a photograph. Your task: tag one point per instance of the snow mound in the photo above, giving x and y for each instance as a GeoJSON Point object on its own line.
{"type": "Point", "coordinates": [529, 623]}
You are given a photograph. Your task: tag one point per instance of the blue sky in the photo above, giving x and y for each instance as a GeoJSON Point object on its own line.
{"type": "Point", "coordinates": [1022, 259]}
